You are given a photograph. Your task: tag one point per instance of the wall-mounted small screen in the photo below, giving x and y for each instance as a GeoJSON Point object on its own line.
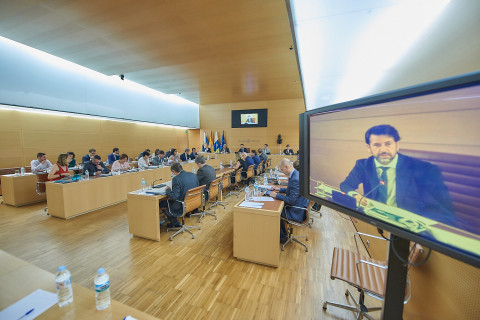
{"type": "Point", "coordinates": [249, 118]}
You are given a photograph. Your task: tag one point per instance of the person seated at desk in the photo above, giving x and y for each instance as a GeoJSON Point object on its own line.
{"type": "Point", "coordinates": [245, 162]}
{"type": "Point", "coordinates": [263, 156]}
{"type": "Point", "coordinates": [266, 149]}
{"type": "Point", "coordinates": [41, 163]}
{"type": "Point", "coordinates": [205, 173]}
{"type": "Point", "coordinates": [225, 149]}
{"type": "Point", "coordinates": [95, 167]}
{"type": "Point", "coordinates": [181, 183]}
{"type": "Point", "coordinates": [114, 156]}
{"type": "Point", "coordinates": [143, 160]}
{"type": "Point", "coordinates": [185, 156]}
{"type": "Point", "coordinates": [206, 148]}
{"type": "Point", "coordinates": [256, 159]}
{"type": "Point", "coordinates": [71, 159]}
{"type": "Point", "coordinates": [193, 154]}
{"type": "Point", "coordinates": [291, 198]}
{"type": "Point", "coordinates": [288, 151]}
{"type": "Point", "coordinates": [173, 156]}
{"type": "Point", "coordinates": [121, 164]}
{"type": "Point", "coordinates": [398, 180]}
{"type": "Point", "coordinates": [141, 153]}
{"type": "Point", "coordinates": [242, 148]}
{"type": "Point", "coordinates": [60, 169]}
{"type": "Point", "coordinates": [89, 156]}
{"type": "Point", "coordinates": [159, 158]}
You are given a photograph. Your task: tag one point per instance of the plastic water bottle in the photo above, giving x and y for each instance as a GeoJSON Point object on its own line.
{"type": "Point", "coordinates": [193, 170]}
{"type": "Point", "coordinates": [265, 180]}
{"type": "Point", "coordinates": [231, 163]}
{"type": "Point", "coordinates": [22, 171]}
{"type": "Point", "coordinates": [87, 175]}
{"type": "Point", "coordinates": [247, 193]}
{"type": "Point", "coordinates": [208, 157]}
{"type": "Point", "coordinates": [221, 165]}
{"type": "Point", "coordinates": [64, 286]}
{"type": "Point", "coordinates": [143, 184]}
{"type": "Point", "coordinates": [255, 185]}
{"type": "Point", "coordinates": [271, 173]}
{"type": "Point", "coordinates": [102, 289]}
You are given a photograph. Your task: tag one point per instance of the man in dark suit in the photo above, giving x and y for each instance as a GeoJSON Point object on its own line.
{"type": "Point", "coordinates": [89, 156]}
{"type": "Point", "coordinates": [206, 173]}
{"type": "Point", "coordinates": [291, 198]}
{"type": "Point", "coordinates": [193, 154]}
{"type": "Point", "coordinates": [181, 183]}
{"type": "Point", "coordinates": [242, 148]}
{"type": "Point", "coordinates": [95, 167]}
{"type": "Point", "coordinates": [288, 151]}
{"type": "Point", "coordinates": [185, 156]}
{"type": "Point", "coordinates": [398, 180]}
{"type": "Point", "coordinates": [206, 148]}
{"type": "Point", "coordinates": [225, 149]}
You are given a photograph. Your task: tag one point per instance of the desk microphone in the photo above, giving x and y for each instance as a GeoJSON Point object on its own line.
{"type": "Point", "coordinates": [380, 183]}
{"type": "Point", "coordinates": [156, 186]}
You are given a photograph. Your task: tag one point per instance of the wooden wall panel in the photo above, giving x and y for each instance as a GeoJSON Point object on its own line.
{"type": "Point", "coordinates": [24, 134]}
{"type": "Point", "coordinates": [282, 119]}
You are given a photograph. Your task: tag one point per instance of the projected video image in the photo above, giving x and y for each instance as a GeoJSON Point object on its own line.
{"type": "Point", "coordinates": [249, 118]}
{"type": "Point", "coordinates": [414, 163]}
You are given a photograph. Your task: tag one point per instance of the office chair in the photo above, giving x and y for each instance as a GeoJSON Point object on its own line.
{"type": "Point", "coordinates": [236, 185]}
{"type": "Point", "coordinates": [210, 193]}
{"type": "Point", "coordinates": [194, 199]}
{"type": "Point", "coordinates": [40, 187]}
{"type": "Point", "coordinates": [258, 171]}
{"type": "Point", "coordinates": [224, 183]}
{"type": "Point", "coordinates": [367, 275]}
{"type": "Point", "coordinates": [305, 223]}
{"type": "Point", "coordinates": [249, 175]}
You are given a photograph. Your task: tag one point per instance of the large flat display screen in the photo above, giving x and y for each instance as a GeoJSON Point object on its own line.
{"type": "Point", "coordinates": [408, 161]}
{"type": "Point", "coordinates": [249, 118]}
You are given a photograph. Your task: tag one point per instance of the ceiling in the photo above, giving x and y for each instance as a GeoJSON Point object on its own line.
{"type": "Point", "coordinates": [206, 51]}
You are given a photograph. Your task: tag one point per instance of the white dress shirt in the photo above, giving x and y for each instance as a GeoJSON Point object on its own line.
{"type": "Point", "coordinates": [38, 166]}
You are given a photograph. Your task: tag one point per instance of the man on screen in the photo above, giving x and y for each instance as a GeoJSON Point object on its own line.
{"type": "Point", "coordinates": [398, 180]}
{"type": "Point", "coordinates": [249, 120]}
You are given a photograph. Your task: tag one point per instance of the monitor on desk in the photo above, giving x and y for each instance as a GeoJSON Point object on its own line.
{"type": "Point", "coordinates": [408, 160]}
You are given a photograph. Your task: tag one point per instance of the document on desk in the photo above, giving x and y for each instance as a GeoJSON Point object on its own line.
{"type": "Point", "coordinates": [262, 199]}
{"type": "Point", "coordinates": [249, 204]}
{"type": "Point", "coordinates": [283, 178]}
{"type": "Point", "coordinates": [265, 186]}
{"type": "Point", "coordinates": [30, 306]}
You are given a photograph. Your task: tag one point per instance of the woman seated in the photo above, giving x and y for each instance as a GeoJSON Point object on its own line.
{"type": "Point", "coordinates": [71, 159]}
{"type": "Point", "coordinates": [174, 157]}
{"type": "Point", "coordinates": [143, 160]}
{"type": "Point", "coordinates": [121, 164]}
{"type": "Point", "coordinates": [60, 169]}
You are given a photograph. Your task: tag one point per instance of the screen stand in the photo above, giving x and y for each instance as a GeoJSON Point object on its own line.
{"type": "Point", "coordinates": [396, 279]}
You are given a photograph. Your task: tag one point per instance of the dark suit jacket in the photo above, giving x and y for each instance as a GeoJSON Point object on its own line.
{"type": "Point", "coordinates": [242, 150]}
{"type": "Point", "coordinates": [181, 183]}
{"type": "Point", "coordinates": [292, 197]}
{"type": "Point", "coordinates": [288, 151]}
{"type": "Point", "coordinates": [206, 175]}
{"type": "Point", "coordinates": [209, 150]}
{"type": "Point", "coordinates": [225, 151]}
{"type": "Point", "coordinates": [192, 155]}
{"type": "Point", "coordinates": [86, 158]}
{"type": "Point", "coordinates": [93, 168]}
{"type": "Point", "coordinates": [419, 186]}
{"type": "Point", "coordinates": [184, 156]}
{"type": "Point", "coordinates": [113, 157]}
{"type": "Point", "coordinates": [256, 160]}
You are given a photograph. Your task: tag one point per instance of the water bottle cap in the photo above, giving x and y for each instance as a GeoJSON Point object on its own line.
{"type": "Point", "coordinates": [101, 270]}
{"type": "Point", "coordinates": [61, 268]}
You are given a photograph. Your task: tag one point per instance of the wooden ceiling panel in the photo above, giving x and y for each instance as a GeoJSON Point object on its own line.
{"type": "Point", "coordinates": [210, 51]}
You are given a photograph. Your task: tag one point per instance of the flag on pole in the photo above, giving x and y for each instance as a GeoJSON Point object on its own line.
{"type": "Point", "coordinates": [216, 144]}
{"type": "Point", "coordinates": [210, 142]}
{"type": "Point", "coordinates": [223, 140]}
{"type": "Point", "coordinates": [205, 140]}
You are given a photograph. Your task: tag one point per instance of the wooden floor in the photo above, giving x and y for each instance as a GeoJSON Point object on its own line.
{"type": "Point", "coordinates": [187, 278]}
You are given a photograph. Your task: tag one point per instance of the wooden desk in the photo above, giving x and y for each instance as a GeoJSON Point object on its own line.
{"type": "Point", "coordinates": [19, 278]}
{"type": "Point", "coordinates": [76, 198]}
{"type": "Point", "coordinates": [20, 190]}
{"type": "Point", "coordinates": [144, 214]}
{"type": "Point", "coordinates": [256, 233]}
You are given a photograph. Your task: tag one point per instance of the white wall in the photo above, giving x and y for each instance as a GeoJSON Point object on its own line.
{"type": "Point", "coordinates": [31, 78]}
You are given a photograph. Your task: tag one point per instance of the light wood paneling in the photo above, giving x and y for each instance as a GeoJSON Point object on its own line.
{"type": "Point", "coordinates": [24, 134]}
{"type": "Point", "coordinates": [282, 119]}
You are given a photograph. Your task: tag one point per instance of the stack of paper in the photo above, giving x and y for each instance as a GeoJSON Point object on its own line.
{"type": "Point", "coordinates": [249, 204]}
{"type": "Point", "coordinates": [262, 199]}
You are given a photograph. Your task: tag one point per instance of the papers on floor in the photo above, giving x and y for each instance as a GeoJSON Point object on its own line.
{"type": "Point", "coordinates": [249, 204]}
{"type": "Point", "coordinates": [262, 199]}
{"type": "Point", "coordinates": [38, 301]}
